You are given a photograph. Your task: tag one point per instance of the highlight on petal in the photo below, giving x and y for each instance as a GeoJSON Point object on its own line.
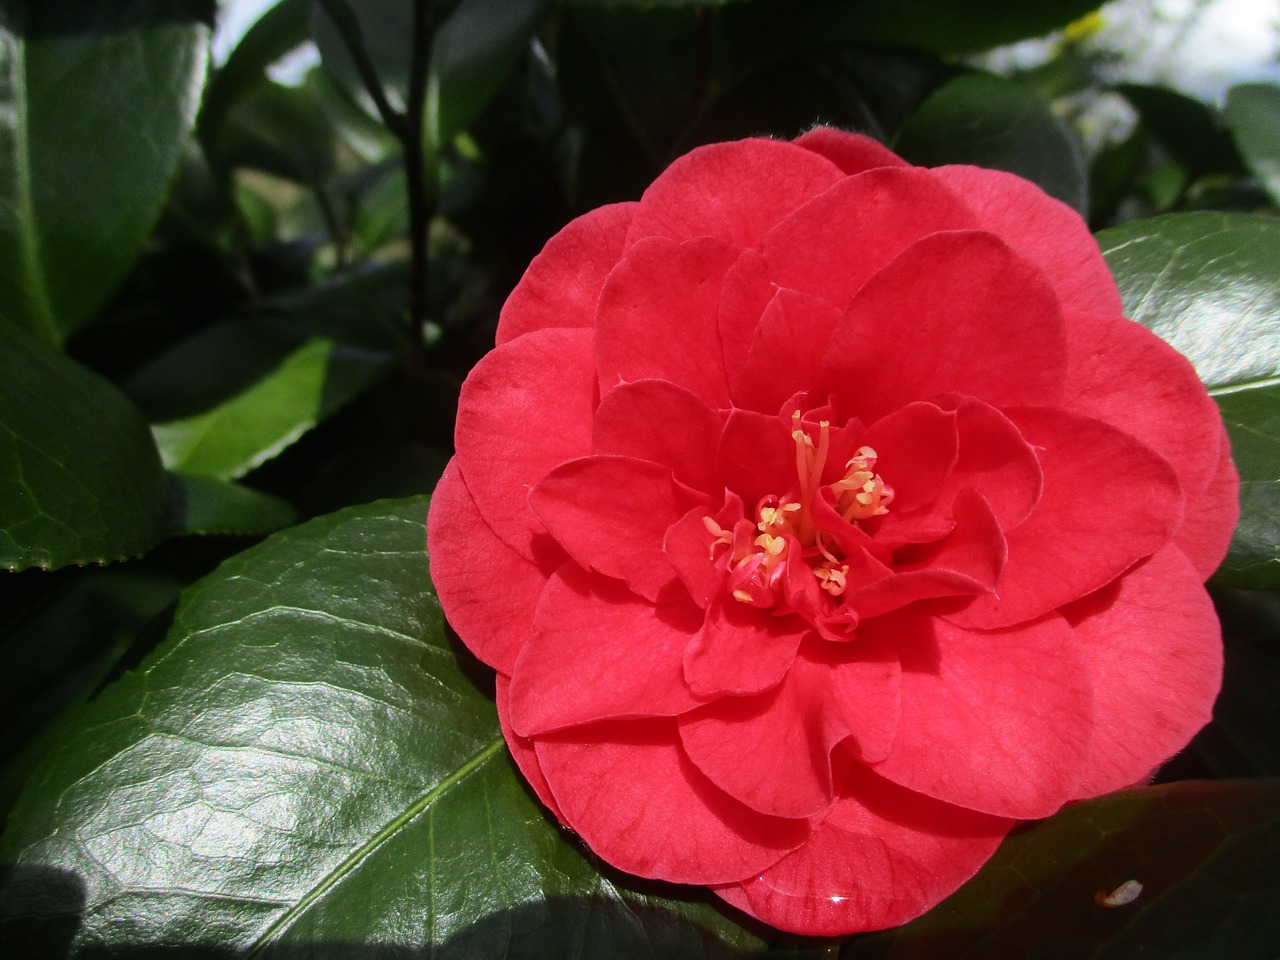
{"type": "Point", "coordinates": [583, 506]}
{"type": "Point", "coordinates": [598, 652]}
{"type": "Point", "coordinates": [1045, 230]}
{"type": "Point", "coordinates": [1001, 722]}
{"type": "Point", "coordinates": [562, 284]}
{"type": "Point", "coordinates": [634, 797]}
{"type": "Point", "coordinates": [882, 856]}
{"type": "Point", "coordinates": [488, 588]}
{"type": "Point", "coordinates": [525, 408]}
{"type": "Point", "coordinates": [702, 194]}
{"type": "Point", "coordinates": [665, 293]}
{"type": "Point", "coordinates": [1154, 644]}
{"type": "Point", "coordinates": [957, 312]}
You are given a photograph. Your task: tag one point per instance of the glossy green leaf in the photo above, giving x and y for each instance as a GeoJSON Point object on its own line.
{"type": "Point", "coordinates": [96, 103]}
{"type": "Point", "coordinates": [303, 766]}
{"type": "Point", "coordinates": [1197, 857]}
{"type": "Point", "coordinates": [1209, 283]}
{"type": "Point", "coordinates": [312, 380]}
{"type": "Point", "coordinates": [204, 505]}
{"type": "Point", "coordinates": [80, 480]}
{"type": "Point", "coordinates": [1253, 114]}
{"type": "Point", "coordinates": [991, 122]}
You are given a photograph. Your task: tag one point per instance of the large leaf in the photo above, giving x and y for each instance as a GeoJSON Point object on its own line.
{"type": "Point", "coordinates": [1253, 114]}
{"type": "Point", "coordinates": [1209, 283]}
{"type": "Point", "coordinates": [80, 480]}
{"type": "Point", "coordinates": [96, 103]}
{"type": "Point", "coordinates": [1197, 858]}
{"type": "Point", "coordinates": [992, 122]}
{"type": "Point", "coordinates": [303, 765]}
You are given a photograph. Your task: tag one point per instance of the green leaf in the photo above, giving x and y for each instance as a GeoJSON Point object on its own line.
{"type": "Point", "coordinates": [945, 26]}
{"type": "Point", "coordinates": [474, 51]}
{"type": "Point", "coordinates": [1209, 283]}
{"type": "Point", "coordinates": [991, 122]}
{"type": "Point", "coordinates": [97, 101]}
{"type": "Point", "coordinates": [281, 130]}
{"type": "Point", "coordinates": [80, 480]}
{"type": "Point", "coordinates": [1204, 853]}
{"type": "Point", "coordinates": [203, 505]}
{"type": "Point", "coordinates": [1253, 115]}
{"type": "Point", "coordinates": [303, 765]}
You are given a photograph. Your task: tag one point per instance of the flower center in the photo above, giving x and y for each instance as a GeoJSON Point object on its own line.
{"type": "Point", "coordinates": [787, 539]}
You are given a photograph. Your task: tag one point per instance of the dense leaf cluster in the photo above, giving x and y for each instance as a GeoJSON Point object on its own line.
{"type": "Point", "coordinates": [230, 307]}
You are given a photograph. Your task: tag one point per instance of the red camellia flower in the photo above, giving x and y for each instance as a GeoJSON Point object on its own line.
{"type": "Point", "coordinates": [823, 517]}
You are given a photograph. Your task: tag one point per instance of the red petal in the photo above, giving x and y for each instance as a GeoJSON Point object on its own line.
{"type": "Point", "coordinates": [996, 461]}
{"type": "Point", "coordinates": [599, 652]}
{"type": "Point", "coordinates": [916, 446]}
{"type": "Point", "coordinates": [884, 856]}
{"type": "Point", "coordinates": [773, 751]}
{"type": "Point", "coordinates": [786, 350]}
{"type": "Point", "coordinates": [958, 312]}
{"type": "Point", "coordinates": [731, 191]}
{"type": "Point", "coordinates": [832, 245]}
{"type": "Point", "coordinates": [562, 284]}
{"type": "Point", "coordinates": [966, 562]}
{"type": "Point", "coordinates": [487, 590]}
{"type": "Point", "coordinates": [524, 408]}
{"type": "Point", "coordinates": [611, 515]}
{"type": "Point", "coordinates": [688, 545]}
{"type": "Point", "coordinates": [522, 750]}
{"type": "Point", "coordinates": [1154, 644]}
{"type": "Point", "coordinates": [1210, 520]}
{"type": "Point", "coordinates": [665, 293]}
{"type": "Point", "coordinates": [998, 722]}
{"type": "Point", "coordinates": [639, 803]}
{"type": "Point", "coordinates": [757, 456]}
{"type": "Point", "coordinates": [740, 649]}
{"type": "Point", "coordinates": [1043, 229]}
{"type": "Point", "coordinates": [851, 152]}
{"type": "Point", "coordinates": [659, 421]}
{"type": "Point", "coordinates": [1108, 502]}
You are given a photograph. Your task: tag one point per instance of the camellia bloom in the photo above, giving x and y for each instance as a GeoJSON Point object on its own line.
{"type": "Point", "coordinates": [823, 517]}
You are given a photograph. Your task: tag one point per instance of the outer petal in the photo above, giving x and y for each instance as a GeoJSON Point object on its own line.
{"type": "Point", "coordinates": [611, 514]}
{"type": "Point", "coordinates": [600, 652]}
{"type": "Point", "coordinates": [773, 751]}
{"type": "Point", "coordinates": [663, 294]}
{"type": "Point", "coordinates": [833, 244]}
{"type": "Point", "coordinates": [956, 313]}
{"type": "Point", "coordinates": [524, 408]}
{"type": "Point", "coordinates": [522, 750]}
{"type": "Point", "coordinates": [731, 191]}
{"type": "Point", "coordinates": [659, 421]}
{"type": "Point", "coordinates": [562, 284]}
{"type": "Point", "coordinates": [1108, 502]}
{"type": "Point", "coordinates": [1042, 229]}
{"type": "Point", "coordinates": [1154, 643]}
{"type": "Point", "coordinates": [487, 589]}
{"type": "Point", "coordinates": [883, 856]}
{"type": "Point", "coordinates": [1210, 520]}
{"type": "Point", "coordinates": [637, 801]}
{"type": "Point", "coordinates": [1122, 373]}
{"type": "Point", "coordinates": [998, 722]}
{"type": "Point", "coordinates": [851, 152]}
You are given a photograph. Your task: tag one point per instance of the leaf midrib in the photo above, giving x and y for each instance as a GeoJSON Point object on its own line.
{"type": "Point", "coordinates": [387, 831]}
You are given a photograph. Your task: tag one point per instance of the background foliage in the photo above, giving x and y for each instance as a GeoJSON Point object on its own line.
{"type": "Point", "coordinates": [234, 309]}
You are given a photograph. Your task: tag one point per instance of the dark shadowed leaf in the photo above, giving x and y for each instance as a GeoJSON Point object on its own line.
{"type": "Point", "coordinates": [97, 101]}
{"type": "Point", "coordinates": [1209, 283]}
{"type": "Point", "coordinates": [1253, 114]}
{"type": "Point", "coordinates": [991, 122]}
{"type": "Point", "coordinates": [1197, 858]}
{"type": "Point", "coordinates": [303, 766]}
{"type": "Point", "coordinates": [80, 480]}
{"type": "Point", "coordinates": [204, 505]}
